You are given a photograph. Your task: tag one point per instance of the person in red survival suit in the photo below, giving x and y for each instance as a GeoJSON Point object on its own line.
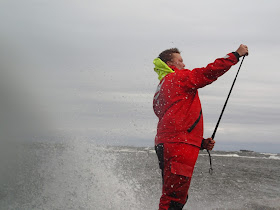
{"type": "Point", "coordinates": [180, 127]}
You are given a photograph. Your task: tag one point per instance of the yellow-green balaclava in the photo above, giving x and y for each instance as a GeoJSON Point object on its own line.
{"type": "Point", "coordinates": [161, 68]}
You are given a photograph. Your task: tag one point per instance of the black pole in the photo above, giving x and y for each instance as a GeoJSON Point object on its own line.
{"type": "Point", "coordinates": [217, 125]}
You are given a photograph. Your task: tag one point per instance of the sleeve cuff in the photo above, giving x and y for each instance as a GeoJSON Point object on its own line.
{"type": "Point", "coordinates": [236, 55]}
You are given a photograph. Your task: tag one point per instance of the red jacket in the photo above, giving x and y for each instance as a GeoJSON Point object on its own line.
{"type": "Point", "coordinates": [177, 105]}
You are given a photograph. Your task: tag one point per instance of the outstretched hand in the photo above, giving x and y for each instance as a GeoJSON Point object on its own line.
{"type": "Point", "coordinates": [242, 50]}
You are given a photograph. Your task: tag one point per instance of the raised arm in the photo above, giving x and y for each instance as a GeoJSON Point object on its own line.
{"type": "Point", "coordinates": [200, 77]}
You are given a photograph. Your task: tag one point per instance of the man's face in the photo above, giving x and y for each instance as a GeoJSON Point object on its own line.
{"type": "Point", "coordinates": [176, 61]}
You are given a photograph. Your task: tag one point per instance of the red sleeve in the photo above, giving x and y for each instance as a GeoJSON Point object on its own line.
{"type": "Point", "coordinates": [200, 77]}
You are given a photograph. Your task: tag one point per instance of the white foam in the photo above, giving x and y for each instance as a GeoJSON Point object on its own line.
{"type": "Point", "coordinates": [274, 157]}
{"type": "Point", "coordinates": [222, 155]}
{"type": "Point", "coordinates": [127, 150]}
{"type": "Point", "coordinates": [268, 153]}
{"type": "Point", "coordinates": [82, 177]}
{"type": "Point", "coordinates": [226, 155]}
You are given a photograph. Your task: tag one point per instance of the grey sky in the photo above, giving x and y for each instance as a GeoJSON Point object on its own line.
{"type": "Point", "coordinates": [85, 67]}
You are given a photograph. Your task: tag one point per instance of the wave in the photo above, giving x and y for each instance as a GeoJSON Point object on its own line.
{"type": "Point", "coordinates": [274, 157]}
{"type": "Point", "coordinates": [248, 155]}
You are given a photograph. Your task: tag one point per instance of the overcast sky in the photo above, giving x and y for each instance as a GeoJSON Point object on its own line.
{"type": "Point", "coordinates": [84, 68]}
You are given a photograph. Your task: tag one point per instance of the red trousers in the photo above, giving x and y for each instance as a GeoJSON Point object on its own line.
{"type": "Point", "coordinates": [177, 161]}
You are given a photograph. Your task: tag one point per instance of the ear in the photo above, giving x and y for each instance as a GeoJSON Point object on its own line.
{"type": "Point", "coordinates": [169, 63]}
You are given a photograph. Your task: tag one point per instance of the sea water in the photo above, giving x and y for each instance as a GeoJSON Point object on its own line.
{"type": "Point", "coordinates": [80, 175]}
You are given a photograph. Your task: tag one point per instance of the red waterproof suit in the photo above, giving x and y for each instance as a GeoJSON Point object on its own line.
{"type": "Point", "coordinates": [177, 105]}
{"type": "Point", "coordinates": [180, 127]}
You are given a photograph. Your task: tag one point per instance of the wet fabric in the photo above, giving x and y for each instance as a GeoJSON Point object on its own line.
{"type": "Point", "coordinates": [176, 101]}
{"type": "Point", "coordinates": [177, 161]}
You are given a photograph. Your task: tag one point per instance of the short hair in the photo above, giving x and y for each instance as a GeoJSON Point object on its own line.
{"type": "Point", "coordinates": [167, 55]}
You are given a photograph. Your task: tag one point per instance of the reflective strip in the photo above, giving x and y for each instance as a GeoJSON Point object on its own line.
{"type": "Point", "coordinates": [158, 90]}
{"type": "Point", "coordinates": [227, 56]}
{"type": "Point", "coordinates": [195, 123]}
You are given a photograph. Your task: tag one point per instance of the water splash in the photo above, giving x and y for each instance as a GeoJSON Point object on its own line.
{"type": "Point", "coordinates": [76, 175]}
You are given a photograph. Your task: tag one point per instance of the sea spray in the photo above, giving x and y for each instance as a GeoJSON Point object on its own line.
{"type": "Point", "coordinates": [82, 177]}
{"type": "Point", "coordinates": [70, 175]}
{"type": "Point", "coordinates": [78, 174]}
